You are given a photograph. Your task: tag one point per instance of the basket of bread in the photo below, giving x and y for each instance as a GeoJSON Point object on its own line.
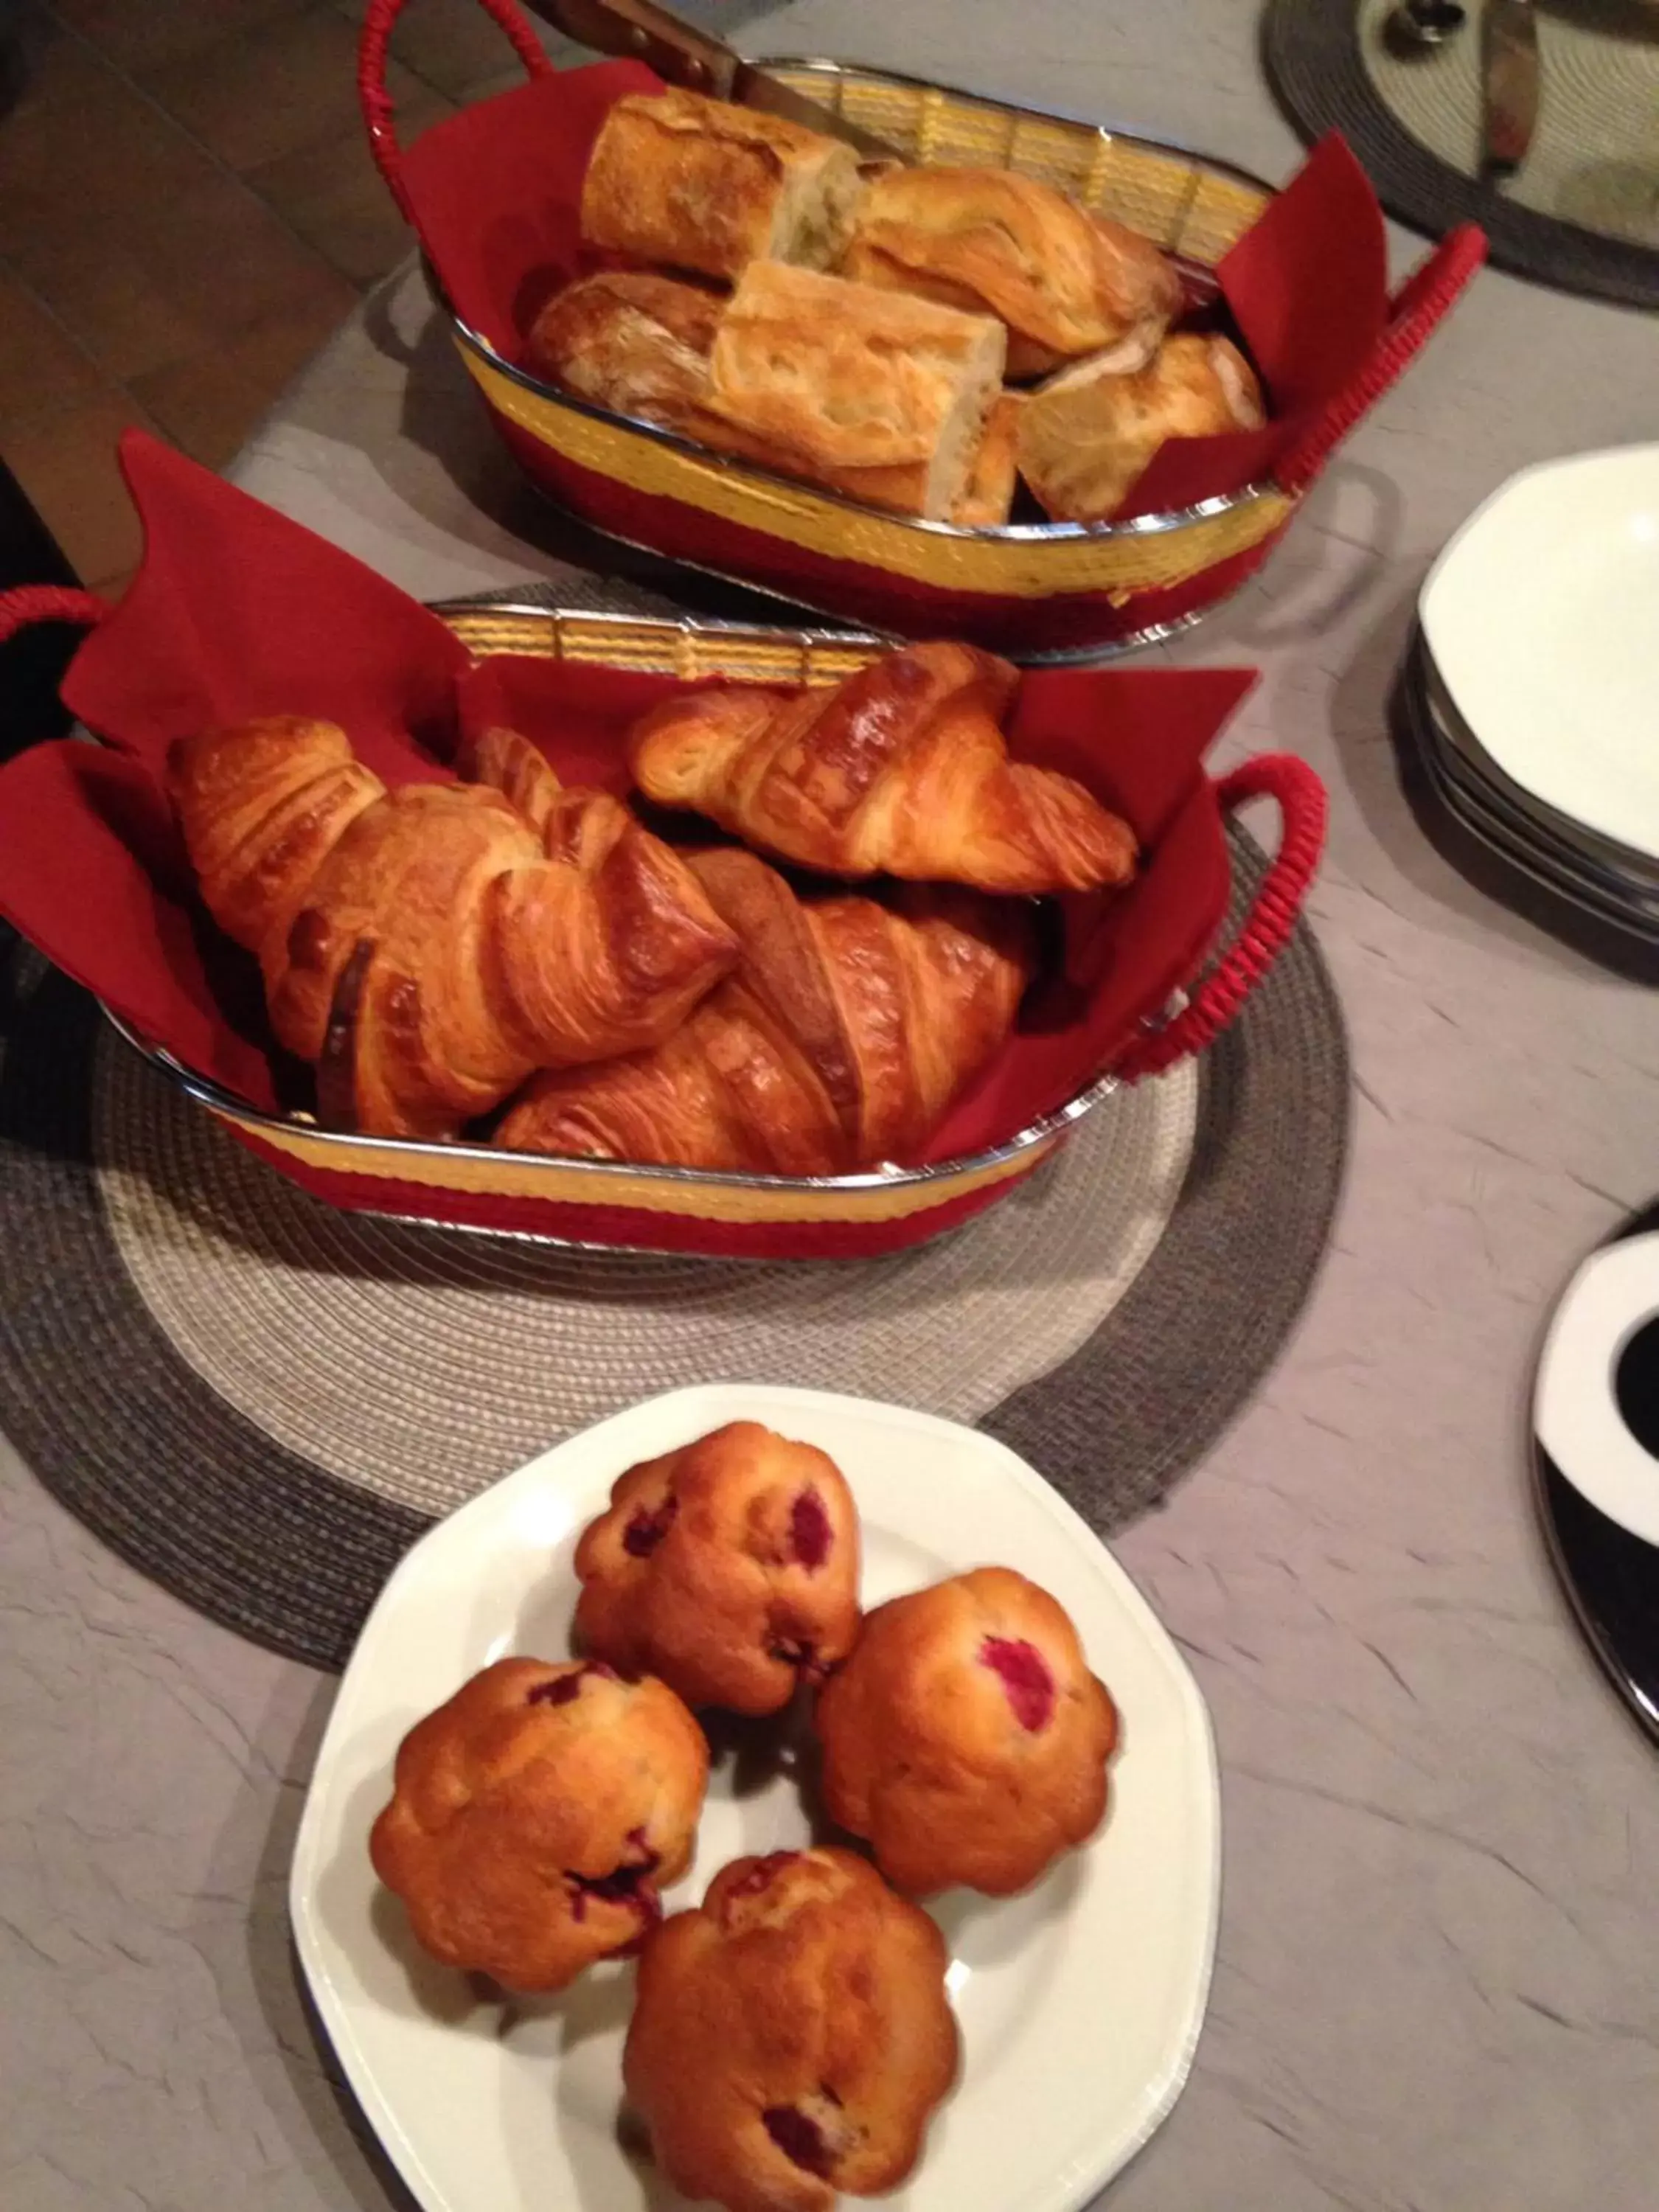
{"type": "Point", "coordinates": [618, 931]}
{"type": "Point", "coordinates": [1047, 389]}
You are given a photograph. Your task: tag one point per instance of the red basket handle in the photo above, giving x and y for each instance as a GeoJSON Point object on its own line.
{"type": "Point", "coordinates": [1302, 806]}
{"type": "Point", "coordinates": [376, 102]}
{"type": "Point", "coordinates": [1422, 301]}
{"type": "Point", "coordinates": [45, 603]}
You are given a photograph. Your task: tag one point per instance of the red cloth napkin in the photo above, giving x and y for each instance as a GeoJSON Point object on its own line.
{"type": "Point", "coordinates": [495, 192]}
{"type": "Point", "coordinates": [1309, 289]}
{"type": "Point", "coordinates": [240, 612]}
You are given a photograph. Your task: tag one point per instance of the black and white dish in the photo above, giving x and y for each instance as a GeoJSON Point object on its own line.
{"type": "Point", "coordinates": [1595, 1457]}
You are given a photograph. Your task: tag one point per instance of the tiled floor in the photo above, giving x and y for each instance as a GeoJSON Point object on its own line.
{"type": "Point", "coordinates": [187, 209]}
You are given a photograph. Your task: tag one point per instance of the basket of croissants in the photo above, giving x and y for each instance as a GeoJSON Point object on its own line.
{"type": "Point", "coordinates": [621, 931]}
{"type": "Point", "coordinates": [1046, 389]}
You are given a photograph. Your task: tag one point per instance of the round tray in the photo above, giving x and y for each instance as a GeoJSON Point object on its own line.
{"type": "Point", "coordinates": [1582, 211]}
{"type": "Point", "coordinates": [261, 1401]}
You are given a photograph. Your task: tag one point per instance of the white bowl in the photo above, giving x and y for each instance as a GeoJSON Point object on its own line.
{"type": "Point", "coordinates": [1542, 618]}
{"type": "Point", "coordinates": [1080, 2002]}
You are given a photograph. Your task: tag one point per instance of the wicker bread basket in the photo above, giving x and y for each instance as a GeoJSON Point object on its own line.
{"type": "Point", "coordinates": [645, 1208]}
{"type": "Point", "coordinates": [1034, 592]}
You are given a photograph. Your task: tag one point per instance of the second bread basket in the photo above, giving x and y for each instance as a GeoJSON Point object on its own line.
{"type": "Point", "coordinates": [493, 193]}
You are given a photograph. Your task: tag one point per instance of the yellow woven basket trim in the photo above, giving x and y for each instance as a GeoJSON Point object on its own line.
{"type": "Point", "coordinates": [1157, 191]}
{"type": "Point", "coordinates": [654, 648]}
{"type": "Point", "coordinates": [1003, 568]}
{"type": "Point", "coordinates": [1221, 210]}
{"type": "Point", "coordinates": [558, 1183]}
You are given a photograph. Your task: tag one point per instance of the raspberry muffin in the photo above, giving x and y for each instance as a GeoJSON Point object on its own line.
{"type": "Point", "coordinates": [533, 1816]}
{"type": "Point", "coordinates": [730, 1568]}
{"type": "Point", "coordinates": [792, 2037]}
{"type": "Point", "coordinates": [965, 1737]}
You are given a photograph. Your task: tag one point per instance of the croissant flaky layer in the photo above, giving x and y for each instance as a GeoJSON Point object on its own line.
{"type": "Point", "coordinates": [840, 1041]}
{"type": "Point", "coordinates": [901, 769]}
{"type": "Point", "coordinates": [427, 948]}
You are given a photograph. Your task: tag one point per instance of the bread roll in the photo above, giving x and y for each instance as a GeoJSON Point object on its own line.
{"type": "Point", "coordinates": [988, 495]}
{"type": "Point", "coordinates": [702, 184]}
{"type": "Point", "coordinates": [1065, 281]}
{"type": "Point", "coordinates": [631, 341]}
{"type": "Point", "coordinates": [877, 395]}
{"type": "Point", "coordinates": [1084, 437]}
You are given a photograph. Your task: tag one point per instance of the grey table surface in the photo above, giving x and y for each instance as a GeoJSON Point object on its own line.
{"type": "Point", "coordinates": [1436, 1990]}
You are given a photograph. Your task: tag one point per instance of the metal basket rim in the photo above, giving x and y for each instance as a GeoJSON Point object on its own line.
{"type": "Point", "coordinates": [219, 1100]}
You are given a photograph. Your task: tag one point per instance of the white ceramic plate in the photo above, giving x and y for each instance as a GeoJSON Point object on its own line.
{"type": "Point", "coordinates": [1551, 871]}
{"type": "Point", "coordinates": [1542, 616]}
{"type": "Point", "coordinates": [1079, 2003]}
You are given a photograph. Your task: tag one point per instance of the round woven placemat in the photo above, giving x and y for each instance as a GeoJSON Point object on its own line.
{"type": "Point", "coordinates": [1582, 211]}
{"type": "Point", "coordinates": [261, 1401]}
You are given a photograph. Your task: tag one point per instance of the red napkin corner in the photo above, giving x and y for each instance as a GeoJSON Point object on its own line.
{"type": "Point", "coordinates": [1308, 288]}
{"type": "Point", "coordinates": [238, 612]}
{"type": "Point", "coordinates": [495, 192]}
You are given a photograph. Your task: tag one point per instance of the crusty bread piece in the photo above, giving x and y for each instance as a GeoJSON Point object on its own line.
{"type": "Point", "coordinates": [879, 395]}
{"type": "Point", "coordinates": [988, 495]}
{"type": "Point", "coordinates": [639, 344]}
{"type": "Point", "coordinates": [629, 340]}
{"type": "Point", "coordinates": [1084, 437]}
{"type": "Point", "coordinates": [1065, 283]}
{"type": "Point", "coordinates": [702, 184]}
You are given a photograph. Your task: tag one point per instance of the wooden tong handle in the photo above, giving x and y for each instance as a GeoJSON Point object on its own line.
{"type": "Point", "coordinates": [679, 53]}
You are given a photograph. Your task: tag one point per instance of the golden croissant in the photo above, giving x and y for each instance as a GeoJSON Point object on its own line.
{"type": "Point", "coordinates": [839, 1041]}
{"type": "Point", "coordinates": [901, 769]}
{"type": "Point", "coordinates": [426, 948]}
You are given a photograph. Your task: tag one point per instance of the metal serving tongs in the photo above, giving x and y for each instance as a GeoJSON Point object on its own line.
{"type": "Point", "coordinates": [683, 55]}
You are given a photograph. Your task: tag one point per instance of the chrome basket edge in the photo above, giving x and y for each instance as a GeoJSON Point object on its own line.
{"type": "Point", "coordinates": [227, 1104]}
